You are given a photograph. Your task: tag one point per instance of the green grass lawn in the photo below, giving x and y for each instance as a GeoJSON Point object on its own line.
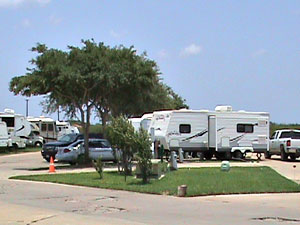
{"type": "Point", "coordinates": [7, 151]}
{"type": "Point", "coordinates": [200, 181]}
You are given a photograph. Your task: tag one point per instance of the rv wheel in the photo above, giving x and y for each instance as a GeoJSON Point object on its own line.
{"type": "Point", "coordinates": [219, 156]}
{"type": "Point", "coordinates": [201, 156]}
{"type": "Point", "coordinates": [228, 155]}
{"type": "Point", "coordinates": [208, 155]}
{"type": "Point", "coordinates": [238, 155]}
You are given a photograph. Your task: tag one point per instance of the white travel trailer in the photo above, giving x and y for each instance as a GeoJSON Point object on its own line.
{"type": "Point", "coordinates": [136, 123]}
{"type": "Point", "coordinates": [223, 132]}
{"type": "Point", "coordinates": [18, 127]}
{"type": "Point", "coordinates": [5, 141]}
{"type": "Point", "coordinates": [144, 121]}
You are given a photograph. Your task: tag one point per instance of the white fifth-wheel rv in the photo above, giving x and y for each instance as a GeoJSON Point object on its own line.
{"type": "Point", "coordinates": [18, 127]}
{"type": "Point", "coordinates": [223, 132]}
{"type": "Point", "coordinates": [5, 140]}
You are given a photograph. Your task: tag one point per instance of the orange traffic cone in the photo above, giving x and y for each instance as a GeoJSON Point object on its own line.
{"type": "Point", "coordinates": [51, 166]}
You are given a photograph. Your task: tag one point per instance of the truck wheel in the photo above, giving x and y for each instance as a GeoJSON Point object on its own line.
{"type": "Point", "coordinates": [267, 155]}
{"type": "Point", "coordinates": [293, 157]}
{"type": "Point", "coordinates": [283, 154]}
{"type": "Point", "coordinates": [38, 144]}
{"type": "Point", "coordinates": [48, 158]}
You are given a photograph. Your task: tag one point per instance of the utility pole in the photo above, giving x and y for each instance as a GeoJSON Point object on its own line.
{"type": "Point", "coordinates": [58, 113]}
{"type": "Point", "coordinates": [27, 107]}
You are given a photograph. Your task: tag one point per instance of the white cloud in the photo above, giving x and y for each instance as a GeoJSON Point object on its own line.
{"type": "Point", "coordinates": [26, 23]}
{"type": "Point", "coordinates": [259, 52]}
{"type": "Point", "coordinates": [162, 54]}
{"type": "Point", "coordinates": [192, 49]}
{"type": "Point", "coordinates": [14, 3]}
{"type": "Point", "coordinates": [54, 19]}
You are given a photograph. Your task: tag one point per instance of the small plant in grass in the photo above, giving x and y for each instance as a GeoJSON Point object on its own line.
{"type": "Point", "coordinates": [98, 164]}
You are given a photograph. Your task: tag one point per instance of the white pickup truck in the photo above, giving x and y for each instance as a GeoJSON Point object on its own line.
{"type": "Point", "coordinates": [285, 143]}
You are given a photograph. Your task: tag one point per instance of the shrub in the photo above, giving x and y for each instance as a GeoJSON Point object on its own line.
{"type": "Point", "coordinates": [143, 147]}
{"type": "Point", "coordinates": [120, 133]}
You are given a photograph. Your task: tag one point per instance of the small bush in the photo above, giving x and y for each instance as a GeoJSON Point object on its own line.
{"type": "Point", "coordinates": [144, 154]}
{"type": "Point", "coordinates": [98, 164]}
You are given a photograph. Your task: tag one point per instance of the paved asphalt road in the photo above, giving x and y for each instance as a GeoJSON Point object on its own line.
{"type": "Point", "coordinates": [24, 202]}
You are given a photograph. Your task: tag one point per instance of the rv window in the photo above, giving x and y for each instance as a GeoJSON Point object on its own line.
{"type": "Point", "coordinates": [244, 128]}
{"type": "Point", "coordinates": [50, 127]}
{"type": "Point", "coordinates": [44, 127]}
{"type": "Point", "coordinates": [10, 121]}
{"type": "Point", "coordinates": [185, 128]}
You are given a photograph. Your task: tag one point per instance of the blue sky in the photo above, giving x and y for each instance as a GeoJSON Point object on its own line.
{"type": "Point", "coordinates": [240, 53]}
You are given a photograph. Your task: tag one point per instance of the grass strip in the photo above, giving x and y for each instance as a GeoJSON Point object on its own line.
{"type": "Point", "coordinates": [200, 181]}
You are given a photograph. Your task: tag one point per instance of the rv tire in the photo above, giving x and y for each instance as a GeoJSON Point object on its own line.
{"type": "Point", "coordinates": [227, 155]}
{"type": "Point", "coordinates": [238, 154]}
{"type": "Point", "coordinates": [208, 155]}
{"type": "Point", "coordinates": [201, 156]}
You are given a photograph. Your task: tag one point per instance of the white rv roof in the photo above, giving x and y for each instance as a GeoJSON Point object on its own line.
{"type": "Point", "coordinates": [147, 116]}
{"type": "Point", "coordinates": [41, 118]}
{"type": "Point", "coordinates": [207, 111]}
{"type": "Point", "coordinates": [9, 113]}
{"type": "Point", "coordinates": [62, 123]}
{"type": "Point", "coordinates": [135, 120]}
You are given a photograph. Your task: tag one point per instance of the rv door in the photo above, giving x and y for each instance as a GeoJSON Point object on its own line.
{"type": "Point", "coordinates": [212, 132]}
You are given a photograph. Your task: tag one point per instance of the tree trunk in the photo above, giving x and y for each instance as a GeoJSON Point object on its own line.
{"type": "Point", "coordinates": [104, 118]}
{"type": "Point", "coordinates": [86, 135]}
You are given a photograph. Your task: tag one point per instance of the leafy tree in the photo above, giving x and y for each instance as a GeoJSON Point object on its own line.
{"type": "Point", "coordinates": [68, 79]}
{"type": "Point", "coordinates": [114, 81]}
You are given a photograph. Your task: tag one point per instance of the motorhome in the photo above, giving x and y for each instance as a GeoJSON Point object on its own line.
{"type": "Point", "coordinates": [51, 129]}
{"type": "Point", "coordinates": [64, 128]}
{"type": "Point", "coordinates": [222, 132]}
{"type": "Point", "coordinates": [5, 141]}
{"type": "Point", "coordinates": [47, 127]}
{"type": "Point", "coordinates": [18, 127]}
{"type": "Point", "coordinates": [34, 138]}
